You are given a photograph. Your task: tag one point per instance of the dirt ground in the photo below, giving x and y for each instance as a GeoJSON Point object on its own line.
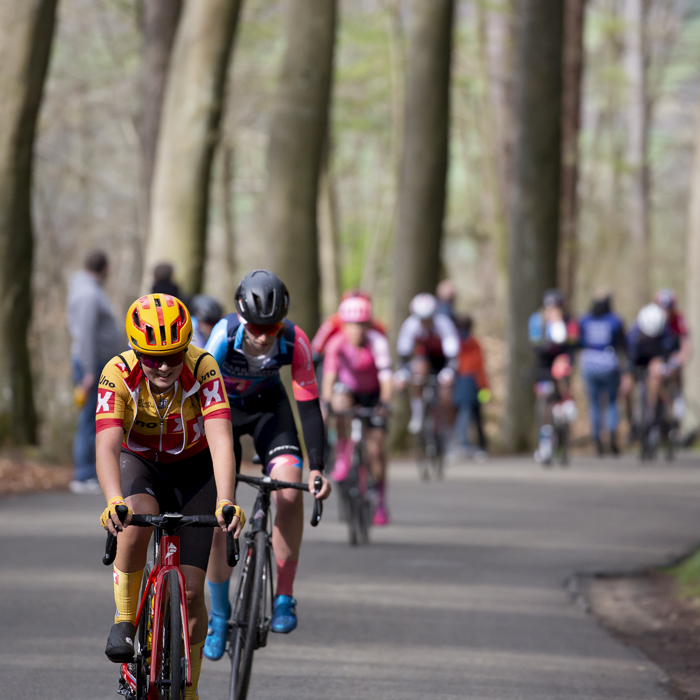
{"type": "Point", "coordinates": [19, 475]}
{"type": "Point", "coordinates": [646, 612]}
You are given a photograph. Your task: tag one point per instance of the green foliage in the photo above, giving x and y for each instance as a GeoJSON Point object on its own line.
{"type": "Point", "coordinates": [687, 576]}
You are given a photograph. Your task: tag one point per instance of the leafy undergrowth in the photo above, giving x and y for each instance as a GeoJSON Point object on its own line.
{"type": "Point", "coordinates": [687, 576]}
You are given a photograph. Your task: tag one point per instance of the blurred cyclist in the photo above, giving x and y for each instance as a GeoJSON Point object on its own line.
{"type": "Point", "coordinates": [553, 336]}
{"type": "Point", "coordinates": [602, 338]}
{"type": "Point", "coordinates": [652, 351]}
{"type": "Point", "coordinates": [428, 343]}
{"type": "Point", "coordinates": [206, 313]}
{"type": "Point", "coordinates": [357, 372]}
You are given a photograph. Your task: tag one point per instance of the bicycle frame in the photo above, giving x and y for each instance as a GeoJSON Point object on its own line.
{"type": "Point", "coordinates": [170, 544]}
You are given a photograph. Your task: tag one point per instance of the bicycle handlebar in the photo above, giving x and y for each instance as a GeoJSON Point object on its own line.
{"type": "Point", "coordinates": [265, 483]}
{"type": "Point", "coordinates": [172, 522]}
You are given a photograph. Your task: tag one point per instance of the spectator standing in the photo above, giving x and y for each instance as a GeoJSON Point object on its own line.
{"type": "Point", "coordinates": [471, 389]}
{"type": "Point", "coordinates": [602, 337]}
{"type": "Point", "coordinates": [96, 338]}
{"type": "Point", "coordinates": [163, 282]}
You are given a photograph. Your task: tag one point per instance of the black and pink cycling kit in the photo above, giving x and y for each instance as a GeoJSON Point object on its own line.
{"type": "Point", "coordinates": [259, 403]}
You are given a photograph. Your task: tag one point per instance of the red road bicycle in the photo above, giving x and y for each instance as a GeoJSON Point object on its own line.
{"type": "Point", "coordinates": [161, 668]}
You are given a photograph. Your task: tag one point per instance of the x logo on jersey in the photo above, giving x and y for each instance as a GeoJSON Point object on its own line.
{"type": "Point", "coordinates": [103, 401]}
{"type": "Point", "coordinates": [212, 395]}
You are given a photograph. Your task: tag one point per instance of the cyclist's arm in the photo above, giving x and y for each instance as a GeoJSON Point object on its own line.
{"type": "Point", "coordinates": [406, 339]}
{"type": "Point", "coordinates": [108, 446]}
{"type": "Point", "coordinates": [379, 346]}
{"type": "Point", "coordinates": [220, 439]}
{"type": "Point", "coordinates": [330, 367]}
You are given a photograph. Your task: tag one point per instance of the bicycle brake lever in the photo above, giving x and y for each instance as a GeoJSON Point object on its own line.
{"type": "Point", "coordinates": [318, 504]}
{"type": "Point", "coordinates": [111, 544]}
{"type": "Point", "coordinates": [232, 547]}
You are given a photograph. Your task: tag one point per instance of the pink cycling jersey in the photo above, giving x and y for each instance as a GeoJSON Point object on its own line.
{"type": "Point", "coordinates": [359, 368]}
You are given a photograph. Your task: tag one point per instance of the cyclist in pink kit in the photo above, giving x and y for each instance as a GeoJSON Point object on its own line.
{"type": "Point", "coordinates": [357, 371]}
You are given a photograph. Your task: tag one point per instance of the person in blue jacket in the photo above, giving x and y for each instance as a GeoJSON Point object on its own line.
{"type": "Point", "coordinates": [602, 339]}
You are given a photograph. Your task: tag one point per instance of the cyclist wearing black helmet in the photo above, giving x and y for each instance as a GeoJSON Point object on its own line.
{"type": "Point", "coordinates": [206, 313]}
{"type": "Point", "coordinates": [251, 346]}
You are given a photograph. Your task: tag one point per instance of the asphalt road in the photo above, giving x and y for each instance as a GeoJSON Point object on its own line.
{"type": "Point", "coordinates": [462, 596]}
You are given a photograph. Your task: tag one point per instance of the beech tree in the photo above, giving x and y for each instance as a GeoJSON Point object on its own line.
{"type": "Point", "coordinates": [423, 170]}
{"type": "Point", "coordinates": [194, 97]}
{"type": "Point", "coordinates": [298, 133]}
{"type": "Point", "coordinates": [26, 33]}
{"type": "Point", "coordinates": [534, 219]}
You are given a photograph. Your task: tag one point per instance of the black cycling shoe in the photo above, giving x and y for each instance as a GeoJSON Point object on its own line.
{"type": "Point", "coordinates": [120, 643]}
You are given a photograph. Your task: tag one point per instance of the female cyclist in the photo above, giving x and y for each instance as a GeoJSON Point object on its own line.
{"type": "Point", "coordinates": [153, 456]}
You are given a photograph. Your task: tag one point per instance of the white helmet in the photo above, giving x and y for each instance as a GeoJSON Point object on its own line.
{"type": "Point", "coordinates": [651, 320]}
{"type": "Point", "coordinates": [424, 306]}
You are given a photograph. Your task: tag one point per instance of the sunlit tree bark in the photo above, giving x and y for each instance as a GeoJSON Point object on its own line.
{"type": "Point", "coordinates": [423, 175]}
{"type": "Point", "coordinates": [574, 19]}
{"type": "Point", "coordinates": [637, 147]}
{"type": "Point", "coordinates": [692, 376]}
{"type": "Point", "coordinates": [297, 138]}
{"type": "Point", "coordinates": [26, 33]}
{"type": "Point", "coordinates": [534, 220]}
{"type": "Point", "coordinates": [188, 135]}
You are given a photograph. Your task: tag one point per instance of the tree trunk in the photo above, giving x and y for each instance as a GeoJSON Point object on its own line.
{"type": "Point", "coordinates": [189, 130]}
{"type": "Point", "coordinates": [637, 148]}
{"type": "Point", "coordinates": [298, 135]}
{"type": "Point", "coordinates": [160, 20]}
{"type": "Point", "coordinates": [423, 176]}
{"type": "Point", "coordinates": [328, 243]}
{"type": "Point", "coordinates": [535, 197]}
{"type": "Point", "coordinates": [574, 20]}
{"type": "Point", "coordinates": [691, 387]}
{"type": "Point", "coordinates": [26, 33]}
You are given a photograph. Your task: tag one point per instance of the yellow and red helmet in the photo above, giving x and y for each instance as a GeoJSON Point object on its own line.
{"type": "Point", "coordinates": [158, 324]}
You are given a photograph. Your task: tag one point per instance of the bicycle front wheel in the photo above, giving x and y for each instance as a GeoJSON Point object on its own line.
{"type": "Point", "coordinates": [169, 676]}
{"type": "Point", "coordinates": [247, 617]}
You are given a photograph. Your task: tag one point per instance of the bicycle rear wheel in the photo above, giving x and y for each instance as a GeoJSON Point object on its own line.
{"type": "Point", "coordinates": [246, 618]}
{"type": "Point", "coordinates": [169, 676]}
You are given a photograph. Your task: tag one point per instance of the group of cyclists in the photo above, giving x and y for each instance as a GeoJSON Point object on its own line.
{"type": "Point", "coordinates": [651, 355]}
{"type": "Point", "coordinates": [172, 408]}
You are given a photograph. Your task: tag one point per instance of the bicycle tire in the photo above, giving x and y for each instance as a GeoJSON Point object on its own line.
{"type": "Point", "coordinates": [144, 636]}
{"type": "Point", "coordinates": [169, 676]}
{"type": "Point", "coordinates": [242, 659]}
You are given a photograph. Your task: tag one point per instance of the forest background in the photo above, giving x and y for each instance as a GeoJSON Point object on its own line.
{"type": "Point", "coordinates": [88, 158]}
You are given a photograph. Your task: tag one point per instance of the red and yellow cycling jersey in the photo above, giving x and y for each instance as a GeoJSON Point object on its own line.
{"type": "Point", "coordinates": [173, 429]}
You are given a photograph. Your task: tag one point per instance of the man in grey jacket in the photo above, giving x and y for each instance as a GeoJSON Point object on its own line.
{"type": "Point", "coordinates": [97, 337]}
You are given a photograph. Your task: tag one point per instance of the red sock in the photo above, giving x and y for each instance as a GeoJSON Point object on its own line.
{"type": "Point", "coordinates": [286, 570]}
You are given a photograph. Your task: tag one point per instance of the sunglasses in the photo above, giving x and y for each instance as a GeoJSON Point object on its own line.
{"type": "Point", "coordinates": [263, 329]}
{"type": "Point", "coordinates": [155, 361]}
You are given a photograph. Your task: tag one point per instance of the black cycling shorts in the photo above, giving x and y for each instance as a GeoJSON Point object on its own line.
{"type": "Point", "coordinates": [366, 399]}
{"type": "Point", "coordinates": [269, 419]}
{"type": "Point", "coordinates": [186, 486]}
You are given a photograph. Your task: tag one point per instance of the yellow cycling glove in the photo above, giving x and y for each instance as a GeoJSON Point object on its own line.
{"type": "Point", "coordinates": [238, 511]}
{"type": "Point", "coordinates": [111, 505]}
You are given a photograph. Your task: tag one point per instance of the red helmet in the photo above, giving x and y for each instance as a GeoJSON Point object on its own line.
{"type": "Point", "coordinates": [357, 309]}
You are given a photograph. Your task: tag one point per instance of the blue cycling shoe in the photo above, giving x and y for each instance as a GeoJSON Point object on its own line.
{"type": "Point", "coordinates": [216, 637]}
{"type": "Point", "coordinates": [284, 614]}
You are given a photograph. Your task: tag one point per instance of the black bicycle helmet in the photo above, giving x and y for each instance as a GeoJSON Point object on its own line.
{"type": "Point", "coordinates": [262, 298]}
{"type": "Point", "coordinates": [206, 309]}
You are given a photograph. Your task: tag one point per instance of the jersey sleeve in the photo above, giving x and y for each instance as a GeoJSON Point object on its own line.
{"type": "Point", "coordinates": [332, 356]}
{"type": "Point", "coordinates": [448, 334]}
{"type": "Point", "coordinates": [407, 337]}
{"type": "Point", "coordinates": [217, 345]}
{"type": "Point", "coordinates": [381, 353]}
{"type": "Point", "coordinates": [303, 373]}
{"type": "Point", "coordinates": [112, 395]}
{"type": "Point", "coordinates": [212, 393]}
